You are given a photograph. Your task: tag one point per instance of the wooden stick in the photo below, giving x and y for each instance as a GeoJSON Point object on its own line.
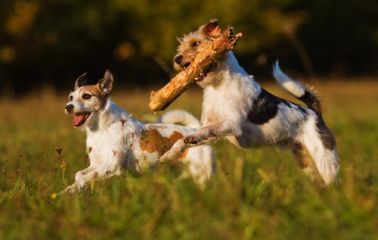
{"type": "Point", "coordinates": [161, 99]}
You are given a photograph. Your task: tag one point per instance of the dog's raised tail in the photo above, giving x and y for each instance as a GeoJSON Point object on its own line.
{"type": "Point", "coordinates": [180, 116]}
{"type": "Point", "coordinates": [296, 89]}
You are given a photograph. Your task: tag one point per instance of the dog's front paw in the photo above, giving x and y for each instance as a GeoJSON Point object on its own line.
{"type": "Point", "coordinates": [69, 190]}
{"type": "Point", "coordinates": [192, 139]}
{"type": "Point", "coordinates": [75, 187]}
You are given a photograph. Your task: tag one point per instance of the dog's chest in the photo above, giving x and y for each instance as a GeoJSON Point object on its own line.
{"type": "Point", "coordinates": [224, 103]}
{"type": "Point", "coordinates": [212, 116]}
{"type": "Point", "coordinates": [213, 106]}
{"type": "Point", "coordinates": [105, 146]}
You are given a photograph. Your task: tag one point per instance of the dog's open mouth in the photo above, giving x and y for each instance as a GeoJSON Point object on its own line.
{"type": "Point", "coordinates": [204, 72]}
{"type": "Point", "coordinates": [80, 118]}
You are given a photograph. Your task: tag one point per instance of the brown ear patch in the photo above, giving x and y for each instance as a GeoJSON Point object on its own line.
{"type": "Point", "coordinates": [95, 91]}
{"type": "Point", "coordinates": [152, 141]}
{"type": "Point", "coordinates": [175, 136]}
{"type": "Point", "coordinates": [212, 29]}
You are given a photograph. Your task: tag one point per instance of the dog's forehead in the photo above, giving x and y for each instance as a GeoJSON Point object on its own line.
{"type": "Point", "coordinates": [193, 36]}
{"type": "Point", "coordinates": [73, 93]}
{"type": "Point", "coordinates": [91, 89]}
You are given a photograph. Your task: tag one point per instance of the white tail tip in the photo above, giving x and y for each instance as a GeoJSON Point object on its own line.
{"type": "Point", "coordinates": [293, 87]}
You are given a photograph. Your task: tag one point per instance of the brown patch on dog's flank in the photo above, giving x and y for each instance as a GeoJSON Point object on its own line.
{"type": "Point", "coordinates": [152, 141]}
{"type": "Point", "coordinates": [175, 136]}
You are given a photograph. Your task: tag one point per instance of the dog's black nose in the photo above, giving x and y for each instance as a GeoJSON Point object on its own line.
{"type": "Point", "coordinates": [69, 108]}
{"type": "Point", "coordinates": [178, 59]}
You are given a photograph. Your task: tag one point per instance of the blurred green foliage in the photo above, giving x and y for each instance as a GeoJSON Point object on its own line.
{"type": "Point", "coordinates": [50, 41]}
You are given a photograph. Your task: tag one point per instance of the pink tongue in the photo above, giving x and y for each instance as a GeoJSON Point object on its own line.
{"type": "Point", "coordinates": [78, 119]}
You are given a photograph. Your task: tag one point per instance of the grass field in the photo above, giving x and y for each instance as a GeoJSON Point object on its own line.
{"type": "Point", "coordinates": [256, 194]}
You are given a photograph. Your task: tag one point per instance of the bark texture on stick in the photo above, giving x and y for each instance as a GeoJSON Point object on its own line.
{"type": "Point", "coordinates": [161, 99]}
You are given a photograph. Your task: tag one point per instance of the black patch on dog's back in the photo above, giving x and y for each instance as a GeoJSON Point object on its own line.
{"type": "Point", "coordinates": [325, 134]}
{"type": "Point", "coordinates": [264, 107]}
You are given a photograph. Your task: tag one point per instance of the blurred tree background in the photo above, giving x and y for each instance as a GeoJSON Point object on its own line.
{"type": "Point", "coordinates": [50, 42]}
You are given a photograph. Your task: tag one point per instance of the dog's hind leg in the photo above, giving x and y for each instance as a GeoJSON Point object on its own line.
{"type": "Point", "coordinates": [304, 161]}
{"type": "Point", "coordinates": [325, 160]}
{"type": "Point", "coordinates": [321, 145]}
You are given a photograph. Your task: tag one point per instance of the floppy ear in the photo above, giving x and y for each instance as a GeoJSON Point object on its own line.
{"type": "Point", "coordinates": [211, 29]}
{"type": "Point", "coordinates": [106, 84]}
{"type": "Point", "coordinates": [81, 81]}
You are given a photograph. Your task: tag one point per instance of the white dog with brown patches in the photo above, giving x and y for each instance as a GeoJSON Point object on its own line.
{"type": "Point", "coordinates": [116, 141]}
{"type": "Point", "coordinates": [236, 107]}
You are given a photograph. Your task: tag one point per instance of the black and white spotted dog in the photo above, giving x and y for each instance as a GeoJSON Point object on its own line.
{"type": "Point", "coordinates": [236, 107]}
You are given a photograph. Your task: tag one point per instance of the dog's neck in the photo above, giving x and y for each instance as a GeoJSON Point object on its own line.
{"type": "Point", "coordinates": [228, 74]}
{"type": "Point", "coordinates": [108, 115]}
{"type": "Point", "coordinates": [228, 79]}
{"type": "Point", "coordinates": [226, 71]}
{"type": "Point", "coordinates": [231, 64]}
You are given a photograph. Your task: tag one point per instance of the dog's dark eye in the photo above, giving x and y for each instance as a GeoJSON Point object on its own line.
{"type": "Point", "coordinates": [70, 98]}
{"type": "Point", "coordinates": [86, 96]}
{"type": "Point", "coordinates": [196, 43]}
